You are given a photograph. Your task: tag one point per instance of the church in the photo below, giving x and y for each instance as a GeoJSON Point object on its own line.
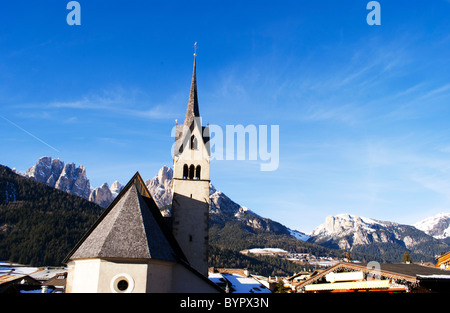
{"type": "Point", "coordinates": [132, 248]}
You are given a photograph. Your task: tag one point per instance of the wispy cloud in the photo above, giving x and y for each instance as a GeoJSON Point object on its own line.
{"type": "Point", "coordinates": [118, 102]}
{"type": "Point", "coordinates": [345, 113]}
{"type": "Point", "coordinates": [436, 92]}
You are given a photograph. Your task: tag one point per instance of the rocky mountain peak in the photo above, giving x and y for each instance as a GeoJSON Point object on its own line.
{"type": "Point", "coordinates": [73, 179]}
{"type": "Point", "coordinates": [344, 224]}
{"type": "Point", "coordinates": [165, 175]}
{"type": "Point", "coordinates": [66, 177]}
{"type": "Point", "coordinates": [102, 195]}
{"type": "Point", "coordinates": [116, 188]}
{"type": "Point", "coordinates": [160, 188]}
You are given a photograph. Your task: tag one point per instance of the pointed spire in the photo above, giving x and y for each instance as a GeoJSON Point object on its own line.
{"type": "Point", "coordinates": [192, 109]}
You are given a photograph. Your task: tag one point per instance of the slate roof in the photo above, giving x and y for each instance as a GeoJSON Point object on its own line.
{"type": "Point", "coordinates": [132, 227]}
{"type": "Point", "coordinates": [412, 270]}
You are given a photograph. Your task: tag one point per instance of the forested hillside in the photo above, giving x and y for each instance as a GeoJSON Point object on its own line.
{"type": "Point", "coordinates": [39, 225]}
{"type": "Point", "coordinates": [227, 239]}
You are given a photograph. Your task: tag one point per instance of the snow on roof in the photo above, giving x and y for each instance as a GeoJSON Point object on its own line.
{"type": "Point", "coordinates": [47, 273]}
{"type": "Point", "coordinates": [16, 269]}
{"type": "Point", "coordinates": [216, 278]}
{"type": "Point", "coordinates": [435, 276]}
{"type": "Point", "coordinates": [239, 284]}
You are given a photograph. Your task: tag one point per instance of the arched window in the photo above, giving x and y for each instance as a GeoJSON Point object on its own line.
{"type": "Point", "coordinates": [185, 172]}
{"type": "Point", "coordinates": [193, 143]}
{"type": "Point", "coordinates": [197, 172]}
{"type": "Point", "coordinates": [191, 172]}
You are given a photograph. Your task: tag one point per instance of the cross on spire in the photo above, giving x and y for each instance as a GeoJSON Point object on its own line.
{"type": "Point", "coordinates": [195, 48]}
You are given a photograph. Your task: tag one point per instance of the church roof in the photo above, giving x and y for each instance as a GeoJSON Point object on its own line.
{"type": "Point", "coordinates": [192, 108]}
{"type": "Point", "coordinates": [132, 227]}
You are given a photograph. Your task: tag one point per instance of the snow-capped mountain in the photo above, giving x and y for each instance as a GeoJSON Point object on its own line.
{"type": "Point", "coordinates": [370, 236]}
{"type": "Point", "coordinates": [346, 230]}
{"type": "Point", "coordinates": [437, 226]}
{"type": "Point", "coordinates": [116, 188]}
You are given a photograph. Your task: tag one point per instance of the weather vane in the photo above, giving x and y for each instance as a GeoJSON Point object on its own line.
{"type": "Point", "coordinates": [195, 48]}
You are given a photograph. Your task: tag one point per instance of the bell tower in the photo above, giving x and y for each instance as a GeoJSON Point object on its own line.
{"type": "Point", "coordinates": [190, 204]}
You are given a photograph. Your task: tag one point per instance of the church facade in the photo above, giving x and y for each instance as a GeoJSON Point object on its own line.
{"type": "Point", "coordinates": [132, 248]}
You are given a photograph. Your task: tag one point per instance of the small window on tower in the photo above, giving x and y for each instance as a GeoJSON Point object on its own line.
{"type": "Point", "coordinates": [193, 143]}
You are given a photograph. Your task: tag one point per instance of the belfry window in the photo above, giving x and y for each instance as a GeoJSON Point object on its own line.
{"type": "Point", "coordinates": [185, 172]}
{"type": "Point", "coordinates": [191, 172]}
{"type": "Point", "coordinates": [197, 172]}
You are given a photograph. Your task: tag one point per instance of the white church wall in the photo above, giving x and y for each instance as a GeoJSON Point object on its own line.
{"type": "Point", "coordinates": [82, 276]}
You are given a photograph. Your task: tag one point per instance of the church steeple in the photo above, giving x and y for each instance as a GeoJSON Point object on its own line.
{"type": "Point", "coordinates": [190, 184]}
{"type": "Point", "coordinates": [192, 109]}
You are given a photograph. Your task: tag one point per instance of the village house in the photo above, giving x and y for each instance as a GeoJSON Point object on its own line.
{"type": "Point", "coordinates": [376, 277]}
{"type": "Point", "coordinates": [443, 261]}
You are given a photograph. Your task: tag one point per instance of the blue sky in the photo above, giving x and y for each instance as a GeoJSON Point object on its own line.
{"type": "Point", "coordinates": [363, 111]}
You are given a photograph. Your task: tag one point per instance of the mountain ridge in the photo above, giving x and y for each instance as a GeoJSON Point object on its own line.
{"type": "Point", "coordinates": [71, 178]}
{"type": "Point", "coordinates": [371, 236]}
{"type": "Point", "coordinates": [343, 231]}
{"type": "Point", "coordinates": [50, 171]}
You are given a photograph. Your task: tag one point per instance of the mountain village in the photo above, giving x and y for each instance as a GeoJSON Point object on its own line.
{"type": "Point", "coordinates": [136, 245]}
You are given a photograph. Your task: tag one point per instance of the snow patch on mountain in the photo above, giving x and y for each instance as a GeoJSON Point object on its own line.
{"type": "Point", "coordinates": [437, 226]}
{"type": "Point", "coordinates": [116, 188]}
{"type": "Point", "coordinates": [299, 235]}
